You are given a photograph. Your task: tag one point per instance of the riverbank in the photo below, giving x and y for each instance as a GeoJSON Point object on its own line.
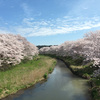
{"type": "Point", "coordinates": [25, 74]}
{"type": "Point", "coordinates": [62, 84]}
{"type": "Point", "coordinates": [84, 71]}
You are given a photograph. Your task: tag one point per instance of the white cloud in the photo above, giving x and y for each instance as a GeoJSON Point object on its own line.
{"type": "Point", "coordinates": [4, 31]}
{"type": "Point", "coordinates": [85, 8]}
{"type": "Point", "coordinates": [64, 26]}
{"type": "Point", "coordinates": [30, 27]}
{"type": "Point", "coordinates": [27, 10]}
{"type": "Point", "coordinates": [30, 11]}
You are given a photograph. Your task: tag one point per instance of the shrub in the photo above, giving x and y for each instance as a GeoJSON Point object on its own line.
{"type": "Point", "coordinates": [45, 75]}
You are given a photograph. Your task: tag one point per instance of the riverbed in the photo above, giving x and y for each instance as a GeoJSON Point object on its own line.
{"type": "Point", "coordinates": [61, 84]}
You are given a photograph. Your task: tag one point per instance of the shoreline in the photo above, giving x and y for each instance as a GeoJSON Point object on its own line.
{"type": "Point", "coordinates": [83, 71]}
{"type": "Point", "coordinates": [89, 81]}
{"type": "Point", "coordinates": [73, 70]}
{"type": "Point", "coordinates": [42, 80]}
{"type": "Point", "coordinates": [37, 78]}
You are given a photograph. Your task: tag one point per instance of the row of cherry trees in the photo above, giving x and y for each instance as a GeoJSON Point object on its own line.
{"type": "Point", "coordinates": [14, 48]}
{"type": "Point", "coordinates": [88, 47]}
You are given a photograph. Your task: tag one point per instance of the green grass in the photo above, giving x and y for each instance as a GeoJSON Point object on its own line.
{"type": "Point", "coordinates": [25, 74]}
{"type": "Point", "coordinates": [50, 69]}
{"type": "Point", "coordinates": [95, 91]}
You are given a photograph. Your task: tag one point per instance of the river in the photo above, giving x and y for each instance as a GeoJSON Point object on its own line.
{"type": "Point", "coordinates": [61, 85]}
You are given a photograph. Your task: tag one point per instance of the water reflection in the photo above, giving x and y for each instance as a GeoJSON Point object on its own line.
{"type": "Point", "coordinates": [61, 85]}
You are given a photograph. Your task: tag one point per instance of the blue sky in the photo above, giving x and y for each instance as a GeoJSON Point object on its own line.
{"type": "Point", "coordinates": [49, 22]}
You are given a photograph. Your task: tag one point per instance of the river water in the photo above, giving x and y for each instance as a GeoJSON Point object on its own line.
{"type": "Point", "coordinates": [61, 85]}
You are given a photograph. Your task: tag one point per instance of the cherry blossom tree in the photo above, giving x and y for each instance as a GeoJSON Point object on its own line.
{"type": "Point", "coordinates": [88, 47]}
{"type": "Point", "coordinates": [92, 47]}
{"type": "Point", "coordinates": [14, 48]}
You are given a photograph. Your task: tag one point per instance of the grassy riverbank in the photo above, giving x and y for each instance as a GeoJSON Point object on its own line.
{"type": "Point", "coordinates": [25, 74]}
{"type": "Point", "coordinates": [85, 71]}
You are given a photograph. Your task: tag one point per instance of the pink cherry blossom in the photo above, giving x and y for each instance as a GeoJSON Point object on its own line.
{"type": "Point", "coordinates": [14, 48]}
{"type": "Point", "coordinates": [88, 47]}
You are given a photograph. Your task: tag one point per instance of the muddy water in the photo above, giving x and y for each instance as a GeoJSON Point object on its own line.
{"type": "Point", "coordinates": [61, 85]}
